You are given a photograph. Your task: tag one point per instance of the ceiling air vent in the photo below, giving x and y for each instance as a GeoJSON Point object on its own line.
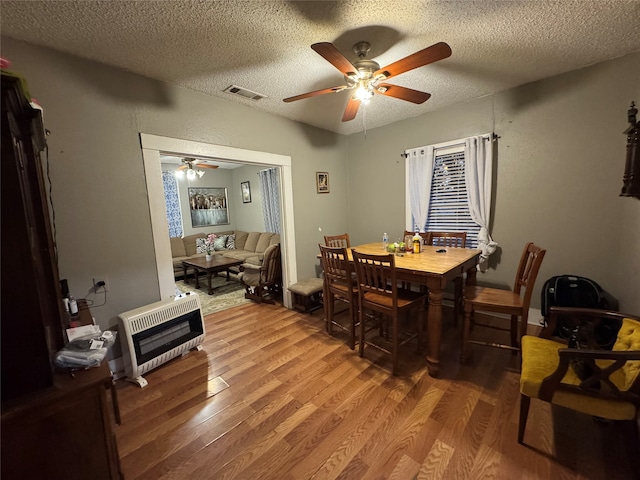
{"type": "Point", "coordinates": [243, 92]}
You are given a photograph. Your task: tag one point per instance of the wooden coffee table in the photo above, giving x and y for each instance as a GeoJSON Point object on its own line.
{"type": "Point", "coordinates": [217, 264]}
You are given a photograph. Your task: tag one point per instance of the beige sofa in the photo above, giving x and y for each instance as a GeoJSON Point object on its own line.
{"type": "Point", "coordinates": [249, 247]}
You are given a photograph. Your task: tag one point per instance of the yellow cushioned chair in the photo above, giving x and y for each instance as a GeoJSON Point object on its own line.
{"type": "Point", "coordinates": [605, 383]}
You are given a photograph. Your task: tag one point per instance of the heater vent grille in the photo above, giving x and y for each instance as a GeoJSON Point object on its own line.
{"type": "Point", "coordinates": [244, 92]}
{"type": "Point", "coordinates": [157, 314]}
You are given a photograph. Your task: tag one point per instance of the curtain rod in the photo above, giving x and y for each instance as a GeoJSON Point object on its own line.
{"type": "Point", "coordinates": [493, 136]}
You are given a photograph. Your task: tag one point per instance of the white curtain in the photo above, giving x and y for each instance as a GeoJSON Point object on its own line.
{"type": "Point", "coordinates": [270, 193]}
{"type": "Point", "coordinates": [478, 154]}
{"type": "Point", "coordinates": [420, 173]}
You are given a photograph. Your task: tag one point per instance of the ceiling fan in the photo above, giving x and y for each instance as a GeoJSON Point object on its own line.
{"type": "Point", "coordinates": [188, 164]}
{"type": "Point", "coordinates": [366, 77]}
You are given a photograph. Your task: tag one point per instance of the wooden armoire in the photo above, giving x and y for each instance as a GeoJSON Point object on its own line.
{"type": "Point", "coordinates": [55, 424]}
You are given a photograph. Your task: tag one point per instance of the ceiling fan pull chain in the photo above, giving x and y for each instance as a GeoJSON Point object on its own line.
{"type": "Point", "coordinates": [364, 121]}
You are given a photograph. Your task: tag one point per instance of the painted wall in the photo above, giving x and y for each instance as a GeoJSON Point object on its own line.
{"type": "Point", "coordinates": [95, 114]}
{"type": "Point", "coordinates": [249, 215]}
{"type": "Point", "coordinates": [558, 174]}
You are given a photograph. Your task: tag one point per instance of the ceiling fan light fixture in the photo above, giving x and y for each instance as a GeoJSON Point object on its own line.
{"type": "Point", "coordinates": [188, 170]}
{"type": "Point", "coordinates": [364, 92]}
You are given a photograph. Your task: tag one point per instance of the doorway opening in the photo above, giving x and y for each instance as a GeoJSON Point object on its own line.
{"type": "Point", "coordinates": [152, 148]}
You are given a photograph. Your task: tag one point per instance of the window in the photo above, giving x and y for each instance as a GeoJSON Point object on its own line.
{"type": "Point", "coordinates": [449, 189]}
{"type": "Point", "coordinates": [449, 206]}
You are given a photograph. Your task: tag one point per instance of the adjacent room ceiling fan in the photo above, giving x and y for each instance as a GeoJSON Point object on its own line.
{"type": "Point", "coordinates": [366, 76]}
{"type": "Point", "coordinates": [188, 167]}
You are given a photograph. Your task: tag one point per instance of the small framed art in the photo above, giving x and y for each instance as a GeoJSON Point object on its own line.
{"type": "Point", "coordinates": [322, 182]}
{"type": "Point", "coordinates": [245, 187]}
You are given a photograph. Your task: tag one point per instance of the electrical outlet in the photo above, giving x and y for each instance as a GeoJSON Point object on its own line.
{"type": "Point", "coordinates": [100, 278]}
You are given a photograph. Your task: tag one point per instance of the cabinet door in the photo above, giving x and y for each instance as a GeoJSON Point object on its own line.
{"type": "Point", "coordinates": [31, 298]}
{"type": "Point", "coordinates": [68, 439]}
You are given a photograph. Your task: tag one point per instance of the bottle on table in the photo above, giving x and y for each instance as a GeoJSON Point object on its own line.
{"type": "Point", "coordinates": [73, 305]}
{"type": "Point", "coordinates": [385, 241]}
{"type": "Point", "coordinates": [417, 240]}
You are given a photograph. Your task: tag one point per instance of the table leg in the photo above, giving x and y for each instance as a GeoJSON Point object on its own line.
{"type": "Point", "coordinates": [184, 273]}
{"type": "Point", "coordinates": [209, 272]}
{"type": "Point", "coordinates": [471, 276]}
{"type": "Point", "coordinates": [228, 277]}
{"type": "Point", "coordinates": [434, 328]}
{"type": "Point", "coordinates": [195, 273]}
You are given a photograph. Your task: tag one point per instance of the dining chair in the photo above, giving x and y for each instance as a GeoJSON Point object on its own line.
{"type": "Point", "coordinates": [597, 382]}
{"type": "Point", "coordinates": [337, 240]}
{"type": "Point", "coordinates": [457, 240]}
{"type": "Point", "coordinates": [378, 291]}
{"type": "Point", "coordinates": [339, 283]}
{"type": "Point", "coordinates": [509, 302]}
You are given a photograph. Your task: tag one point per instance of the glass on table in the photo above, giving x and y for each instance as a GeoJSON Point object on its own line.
{"type": "Point", "coordinates": [408, 244]}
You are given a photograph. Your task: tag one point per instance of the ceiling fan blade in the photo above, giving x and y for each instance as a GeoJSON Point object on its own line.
{"type": "Point", "coordinates": [423, 57]}
{"type": "Point", "coordinates": [351, 110]}
{"type": "Point", "coordinates": [403, 93]}
{"type": "Point", "coordinates": [195, 164]}
{"type": "Point", "coordinates": [332, 55]}
{"type": "Point", "coordinates": [316, 93]}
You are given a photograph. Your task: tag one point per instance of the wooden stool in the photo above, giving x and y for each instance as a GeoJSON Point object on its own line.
{"type": "Point", "coordinates": [307, 294]}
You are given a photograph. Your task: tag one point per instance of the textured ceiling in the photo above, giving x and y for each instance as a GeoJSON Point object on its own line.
{"type": "Point", "coordinates": [264, 46]}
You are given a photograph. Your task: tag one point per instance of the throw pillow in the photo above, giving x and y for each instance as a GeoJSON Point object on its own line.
{"type": "Point", "coordinates": [220, 243]}
{"type": "Point", "coordinates": [200, 248]}
{"type": "Point", "coordinates": [231, 242]}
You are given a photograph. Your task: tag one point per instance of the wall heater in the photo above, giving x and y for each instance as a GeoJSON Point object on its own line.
{"type": "Point", "coordinates": [154, 334]}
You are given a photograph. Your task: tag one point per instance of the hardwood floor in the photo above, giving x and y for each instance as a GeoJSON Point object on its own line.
{"type": "Point", "coordinates": [271, 396]}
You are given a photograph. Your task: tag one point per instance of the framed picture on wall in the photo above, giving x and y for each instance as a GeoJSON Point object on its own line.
{"type": "Point", "coordinates": [246, 192]}
{"type": "Point", "coordinates": [208, 206]}
{"type": "Point", "coordinates": [322, 182]}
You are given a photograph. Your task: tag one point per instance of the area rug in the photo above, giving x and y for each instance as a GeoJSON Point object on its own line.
{"type": "Point", "coordinates": [225, 294]}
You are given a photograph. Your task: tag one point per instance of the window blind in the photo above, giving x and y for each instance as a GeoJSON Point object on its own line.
{"type": "Point", "coordinates": [449, 206]}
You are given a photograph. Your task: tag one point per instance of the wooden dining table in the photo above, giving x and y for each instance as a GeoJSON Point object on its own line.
{"type": "Point", "coordinates": [434, 269]}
